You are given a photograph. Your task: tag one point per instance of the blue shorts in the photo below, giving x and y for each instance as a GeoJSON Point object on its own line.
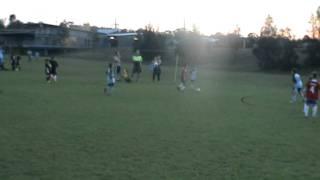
{"type": "Point", "coordinates": [310, 102]}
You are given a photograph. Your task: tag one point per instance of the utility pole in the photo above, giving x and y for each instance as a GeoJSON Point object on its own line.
{"type": "Point", "coordinates": [115, 23]}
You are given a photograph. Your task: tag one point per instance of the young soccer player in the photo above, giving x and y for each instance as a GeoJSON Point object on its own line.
{"type": "Point", "coordinates": [54, 65]}
{"type": "Point", "coordinates": [47, 70]}
{"type": "Point", "coordinates": [183, 78]}
{"type": "Point", "coordinates": [193, 77]}
{"type": "Point", "coordinates": [13, 62]}
{"type": "Point", "coordinates": [1, 60]}
{"type": "Point", "coordinates": [17, 63]}
{"type": "Point", "coordinates": [312, 96]}
{"type": "Point", "coordinates": [297, 86]}
{"type": "Point", "coordinates": [117, 62]}
{"type": "Point", "coordinates": [110, 80]}
{"type": "Point", "coordinates": [156, 68]}
{"type": "Point", "coordinates": [125, 75]}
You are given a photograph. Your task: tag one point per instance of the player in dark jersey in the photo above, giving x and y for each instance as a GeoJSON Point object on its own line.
{"type": "Point", "coordinates": [17, 63]}
{"type": "Point", "coordinates": [54, 66]}
{"type": "Point", "coordinates": [312, 96]}
{"type": "Point", "coordinates": [47, 70]}
{"type": "Point", "coordinates": [13, 62]}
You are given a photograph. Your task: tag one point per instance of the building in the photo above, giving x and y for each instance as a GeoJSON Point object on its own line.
{"type": "Point", "coordinates": [45, 38]}
{"type": "Point", "coordinates": [117, 37]}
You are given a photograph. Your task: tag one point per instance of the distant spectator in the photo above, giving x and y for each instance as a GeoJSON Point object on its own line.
{"type": "Point", "coordinates": [137, 62]}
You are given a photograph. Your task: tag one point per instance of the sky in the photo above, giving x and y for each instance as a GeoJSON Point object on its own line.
{"type": "Point", "coordinates": [209, 16]}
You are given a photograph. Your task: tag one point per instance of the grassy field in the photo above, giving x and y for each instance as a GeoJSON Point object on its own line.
{"type": "Point", "coordinates": [149, 131]}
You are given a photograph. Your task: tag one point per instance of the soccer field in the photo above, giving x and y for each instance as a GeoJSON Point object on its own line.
{"type": "Point", "coordinates": [148, 131]}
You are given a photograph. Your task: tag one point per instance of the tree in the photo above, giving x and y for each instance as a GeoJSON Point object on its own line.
{"type": "Point", "coordinates": [312, 50]}
{"type": "Point", "coordinates": [285, 33]}
{"type": "Point", "coordinates": [315, 25]}
{"type": "Point", "coordinates": [14, 23]}
{"type": "Point", "coordinates": [268, 30]}
{"type": "Point", "coordinates": [151, 42]}
{"type": "Point", "coordinates": [2, 26]}
{"type": "Point", "coordinates": [64, 32]}
{"type": "Point", "coordinates": [190, 46]}
{"type": "Point", "coordinates": [275, 53]}
{"type": "Point", "coordinates": [251, 40]}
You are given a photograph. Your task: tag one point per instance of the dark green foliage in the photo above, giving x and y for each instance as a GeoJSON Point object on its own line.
{"type": "Point", "coordinates": [2, 26]}
{"type": "Point", "coordinates": [312, 49]}
{"type": "Point", "coordinates": [190, 46]}
{"type": "Point", "coordinates": [275, 53]}
{"type": "Point", "coordinates": [151, 44]}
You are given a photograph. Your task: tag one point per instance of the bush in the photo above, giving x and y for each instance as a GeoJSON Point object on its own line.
{"type": "Point", "coordinates": [275, 53]}
{"type": "Point", "coordinates": [312, 49]}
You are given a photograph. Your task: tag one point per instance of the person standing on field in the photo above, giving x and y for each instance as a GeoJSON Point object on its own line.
{"type": "Point", "coordinates": [183, 78]}
{"type": "Point", "coordinates": [54, 66]}
{"type": "Point", "coordinates": [312, 96]}
{"type": "Point", "coordinates": [297, 86]}
{"type": "Point", "coordinates": [137, 63]}
{"type": "Point", "coordinates": [156, 68]}
{"type": "Point", "coordinates": [117, 62]}
{"type": "Point", "coordinates": [47, 70]}
{"type": "Point", "coordinates": [1, 60]}
{"type": "Point", "coordinates": [110, 80]}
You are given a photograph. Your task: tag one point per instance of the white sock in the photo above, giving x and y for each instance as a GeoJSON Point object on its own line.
{"type": "Point", "coordinates": [306, 110]}
{"type": "Point", "coordinates": [314, 110]}
{"type": "Point", "coordinates": [294, 97]}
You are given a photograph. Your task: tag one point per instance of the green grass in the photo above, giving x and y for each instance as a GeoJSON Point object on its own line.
{"type": "Point", "coordinates": [70, 130]}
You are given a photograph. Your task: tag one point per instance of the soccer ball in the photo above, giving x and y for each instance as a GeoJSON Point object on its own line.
{"type": "Point", "coordinates": [181, 87]}
{"type": "Point", "coordinates": [198, 89]}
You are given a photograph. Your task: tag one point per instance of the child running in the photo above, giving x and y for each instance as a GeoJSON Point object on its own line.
{"type": "Point", "coordinates": [183, 78]}
{"type": "Point", "coordinates": [47, 70]}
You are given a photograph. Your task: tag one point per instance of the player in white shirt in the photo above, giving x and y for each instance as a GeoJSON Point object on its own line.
{"type": "Point", "coordinates": [297, 86]}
